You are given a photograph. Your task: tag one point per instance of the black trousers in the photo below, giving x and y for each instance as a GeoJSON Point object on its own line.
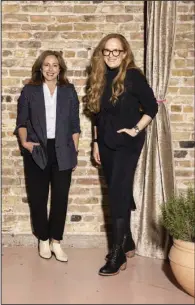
{"type": "Point", "coordinates": [38, 182]}
{"type": "Point", "coordinates": [119, 168]}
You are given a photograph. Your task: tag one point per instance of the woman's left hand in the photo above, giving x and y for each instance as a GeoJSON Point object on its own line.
{"type": "Point", "coordinates": [131, 132]}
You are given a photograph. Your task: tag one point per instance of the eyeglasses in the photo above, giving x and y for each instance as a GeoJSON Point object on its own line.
{"type": "Point", "coordinates": [115, 53]}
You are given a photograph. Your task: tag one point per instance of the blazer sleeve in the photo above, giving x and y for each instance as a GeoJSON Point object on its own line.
{"type": "Point", "coordinates": [22, 110]}
{"type": "Point", "coordinates": [144, 93]}
{"type": "Point", "coordinates": [75, 119]}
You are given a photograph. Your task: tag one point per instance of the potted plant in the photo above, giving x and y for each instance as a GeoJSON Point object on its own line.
{"type": "Point", "coordinates": [178, 218]}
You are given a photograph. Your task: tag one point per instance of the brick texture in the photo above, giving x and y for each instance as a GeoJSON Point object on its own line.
{"type": "Point", "coordinates": [180, 95]}
{"type": "Point", "coordinates": [75, 27]}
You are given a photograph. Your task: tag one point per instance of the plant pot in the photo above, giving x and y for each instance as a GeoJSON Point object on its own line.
{"type": "Point", "coordinates": [182, 258]}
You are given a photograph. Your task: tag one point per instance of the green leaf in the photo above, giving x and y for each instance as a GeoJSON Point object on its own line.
{"type": "Point", "coordinates": [178, 215]}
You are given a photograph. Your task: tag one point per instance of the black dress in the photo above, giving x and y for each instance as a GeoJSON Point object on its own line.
{"type": "Point", "coordinates": [119, 152]}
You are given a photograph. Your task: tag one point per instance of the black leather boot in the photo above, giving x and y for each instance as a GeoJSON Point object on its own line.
{"type": "Point", "coordinates": [128, 247]}
{"type": "Point", "coordinates": [116, 262]}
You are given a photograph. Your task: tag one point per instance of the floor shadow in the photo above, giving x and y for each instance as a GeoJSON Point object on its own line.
{"type": "Point", "coordinates": [166, 268]}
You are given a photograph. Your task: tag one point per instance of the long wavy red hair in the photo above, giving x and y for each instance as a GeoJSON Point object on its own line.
{"type": "Point", "coordinates": [96, 81]}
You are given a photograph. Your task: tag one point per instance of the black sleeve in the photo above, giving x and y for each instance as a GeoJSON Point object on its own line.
{"type": "Point", "coordinates": [22, 110]}
{"type": "Point", "coordinates": [95, 119]}
{"type": "Point", "coordinates": [145, 94]}
{"type": "Point", "coordinates": [75, 119]}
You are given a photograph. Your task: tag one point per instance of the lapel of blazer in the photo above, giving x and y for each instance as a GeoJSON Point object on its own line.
{"type": "Point", "coordinates": [60, 103]}
{"type": "Point", "coordinates": [61, 108]}
{"type": "Point", "coordinates": [58, 106]}
{"type": "Point", "coordinates": [41, 113]}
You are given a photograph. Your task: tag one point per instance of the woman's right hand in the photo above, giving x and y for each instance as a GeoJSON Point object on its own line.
{"type": "Point", "coordinates": [29, 146]}
{"type": "Point", "coordinates": [96, 154]}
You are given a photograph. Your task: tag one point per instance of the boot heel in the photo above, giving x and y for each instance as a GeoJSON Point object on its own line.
{"type": "Point", "coordinates": [123, 266]}
{"type": "Point", "coordinates": [130, 254]}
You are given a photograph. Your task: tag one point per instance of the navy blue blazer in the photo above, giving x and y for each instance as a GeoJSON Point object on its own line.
{"type": "Point", "coordinates": [31, 114]}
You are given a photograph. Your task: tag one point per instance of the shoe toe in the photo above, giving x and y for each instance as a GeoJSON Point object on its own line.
{"type": "Point", "coordinates": [102, 270]}
{"type": "Point", "coordinates": [45, 255]}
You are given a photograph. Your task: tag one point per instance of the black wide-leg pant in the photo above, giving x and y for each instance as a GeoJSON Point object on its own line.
{"type": "Point", "coordinates": [119, 169]}
{"type": "Point", "coordinates": [37, 185]}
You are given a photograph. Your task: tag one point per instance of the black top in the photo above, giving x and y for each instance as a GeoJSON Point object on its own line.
{"type": "Point", "coordinates": [126, 112]}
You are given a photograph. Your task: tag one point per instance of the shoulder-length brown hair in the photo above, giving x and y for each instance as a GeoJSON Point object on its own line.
{"type": "Point", "coordinates": [37, 78]}
{"type": "Point", "coordinates": [96, 81]}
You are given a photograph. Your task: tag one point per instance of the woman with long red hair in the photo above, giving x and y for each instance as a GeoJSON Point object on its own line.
{"type": "Point", "coordinates": [123, 104]}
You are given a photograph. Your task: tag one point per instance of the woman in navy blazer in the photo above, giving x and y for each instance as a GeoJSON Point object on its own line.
{"type": "Point", "coordinates": [48, 129]}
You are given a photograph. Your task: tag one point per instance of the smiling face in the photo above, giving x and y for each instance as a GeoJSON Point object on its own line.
{"type": "Point", "coordinates": [50, 68]}
{"type": "Point", "coordinates": [113, 53]}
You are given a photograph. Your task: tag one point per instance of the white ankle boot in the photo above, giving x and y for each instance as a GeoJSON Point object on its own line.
{"type": "Point", "coordinates": [58, 252]}
{"type": "Point", "coordinates": [44, 249]}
